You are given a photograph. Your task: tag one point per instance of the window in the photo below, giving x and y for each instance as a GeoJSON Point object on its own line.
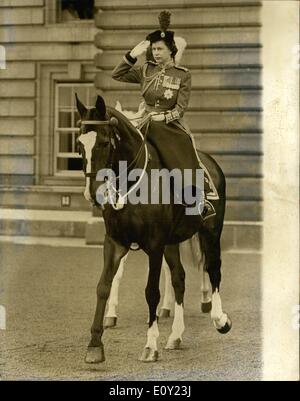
{"type": "Point", "coordinates": [74, 10]}
{"type": "Point", "coordinates": [67, 161]}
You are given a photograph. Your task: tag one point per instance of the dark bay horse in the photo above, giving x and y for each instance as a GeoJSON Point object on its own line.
{"type": "Point", "coordinates": [106, 137]}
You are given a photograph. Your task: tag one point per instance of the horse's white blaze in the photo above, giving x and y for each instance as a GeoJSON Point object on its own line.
{"type": "Point", "coordinates": [152, 336]}
{"type": "Point", "coordinates": [219, 318]}
{"type": "Point", "coordinates": [114, 292]}
{"type": "Point", "coordinates": [178, 324]}
{"type": "Point", "coordinates": [88, 141]}
{"type": "Point", "coordinates": [168, 299]}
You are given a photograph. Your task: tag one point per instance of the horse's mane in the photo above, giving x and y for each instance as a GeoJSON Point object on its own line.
{"type": "Point", "coordinates": [123, 123]}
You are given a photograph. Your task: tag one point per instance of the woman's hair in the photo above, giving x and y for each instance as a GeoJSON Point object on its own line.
{"type": "Point", "coordinates": [172, 47]}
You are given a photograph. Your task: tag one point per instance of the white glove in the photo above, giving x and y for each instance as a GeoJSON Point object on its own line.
{"type": "Point", "coordinates": [139, 49]}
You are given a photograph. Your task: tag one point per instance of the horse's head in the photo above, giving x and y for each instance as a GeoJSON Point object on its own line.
{"type": "Point", "coordinates": [97, 139]}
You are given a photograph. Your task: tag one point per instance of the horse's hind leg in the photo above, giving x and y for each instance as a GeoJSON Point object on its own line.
{"type": "Point", "coordinates": [212, 252]}
{"type": "Point", "coordinates": [113, 253]}
{"type": "Point", "coordinates": [206, 304]}
{"type": "Point", "coordinates": [172, 256]}
{"type": "Point", "coordinates": [199, 260]}
{"type": "Point", "coordinates": [150, 352]}
{"type": "Point", "coordinates": [110, 319]}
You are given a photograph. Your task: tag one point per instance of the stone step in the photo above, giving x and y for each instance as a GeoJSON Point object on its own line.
{"type": "Point", "coordinates": [236, 236]}
{"type": "Point", "coordinates": [246, 188]}
{"type": "Point", "coordinates": [168, 4]}
{"type": "Point", "coordinates": [75, 224]}
{"type": "Point", "coordinates": [233, 58]}
{"type": "Point", "coordinates": [44, 197]}
{"type": "Point", "coordinates": [249, 78]}
{"type": "Point", "coordinates": [219, 100]}
{"type": "Point", "coordinates": [196, 38]}
{"type": "Point", "coordinates": [193, 17]}
{"type": "Point", "coordinates": [43, 223]}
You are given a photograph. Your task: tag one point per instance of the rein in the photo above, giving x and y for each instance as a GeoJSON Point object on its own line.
{"type": "Point", "coordinates": [113, 122]}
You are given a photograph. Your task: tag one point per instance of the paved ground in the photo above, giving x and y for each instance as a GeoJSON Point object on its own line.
{"type": "Point", "coordinates": [49, 296]}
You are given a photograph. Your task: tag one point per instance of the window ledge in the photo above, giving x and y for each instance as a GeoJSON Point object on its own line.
{"type": "Point", "coordinates": [77, 22]}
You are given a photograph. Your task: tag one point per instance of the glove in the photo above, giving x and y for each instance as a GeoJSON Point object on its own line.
{"type": "Point", "coordinates": [139, 49]}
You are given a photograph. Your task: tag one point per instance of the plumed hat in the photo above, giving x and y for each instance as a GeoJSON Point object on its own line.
{"type": "Point", "coordinates": [162, 33]}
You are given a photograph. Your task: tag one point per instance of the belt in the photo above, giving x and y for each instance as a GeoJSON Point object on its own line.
{"type": "Point", "coordinates": [154, 108]}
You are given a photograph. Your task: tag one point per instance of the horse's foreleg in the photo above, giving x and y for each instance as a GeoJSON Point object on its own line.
{"type": "Point", "coordinates": [150, 352]}
{"type": "Point", "coordinates": [220, 319]}
{"type": "Point", "coordinates": [110, 319]}
{"type": "Point", "coordinates": [168, 299]}
{"type": "Point", "coordinates": [113, 253]}
{"type": "Point", "coordinates": [172, 256]}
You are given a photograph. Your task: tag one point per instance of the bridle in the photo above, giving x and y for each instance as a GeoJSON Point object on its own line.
{"type": "Point", "coordinates": [82, 125]}
{"type": "Point", "coordinates": [113, 122]}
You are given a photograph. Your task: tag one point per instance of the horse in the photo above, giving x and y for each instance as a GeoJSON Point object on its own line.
{"type": "Point", "coordinates": [106, 138]}
{"type": "Point", "coordinates": [191, 251]}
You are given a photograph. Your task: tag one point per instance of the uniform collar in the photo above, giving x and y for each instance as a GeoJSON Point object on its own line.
{"type": "Point", "coordinates": [166, 66]}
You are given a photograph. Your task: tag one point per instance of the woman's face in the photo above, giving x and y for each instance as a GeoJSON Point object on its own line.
{"type": "Point", "coordinates": [161, 52]}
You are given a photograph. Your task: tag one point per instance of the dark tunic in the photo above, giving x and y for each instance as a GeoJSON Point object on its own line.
{"type": "Point", "coordinates": [164, 90]}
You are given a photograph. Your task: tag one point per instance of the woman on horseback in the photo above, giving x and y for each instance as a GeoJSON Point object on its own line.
{"type": "Point", "coordinates": [166, 89]}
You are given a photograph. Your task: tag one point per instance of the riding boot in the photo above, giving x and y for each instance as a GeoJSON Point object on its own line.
{"type": "Point", "coordinates": [208, 209]}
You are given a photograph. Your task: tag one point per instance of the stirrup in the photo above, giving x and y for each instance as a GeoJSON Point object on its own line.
{"type": "Point", "coordinates": [208, 210]}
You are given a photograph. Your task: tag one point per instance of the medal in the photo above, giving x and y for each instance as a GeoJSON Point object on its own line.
{"type": "Point", "coordinates": [168, 94]}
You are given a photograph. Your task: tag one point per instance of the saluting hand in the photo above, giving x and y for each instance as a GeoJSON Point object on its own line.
{"type": "Point", "coordinates": [139, 49]}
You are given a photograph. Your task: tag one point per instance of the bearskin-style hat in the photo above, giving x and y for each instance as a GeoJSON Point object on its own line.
{"type": "Point", "coordinates": [163, 33]}
{"type": "Point", "coordinates": [175, 44]}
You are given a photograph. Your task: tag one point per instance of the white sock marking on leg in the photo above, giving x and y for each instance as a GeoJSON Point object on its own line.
{"type": "Point", "coordinates": [178, 323]}
{"type": "Point", "coordinates": [152, 336]}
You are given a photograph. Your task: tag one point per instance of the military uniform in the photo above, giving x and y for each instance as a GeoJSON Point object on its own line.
{"type": "Point", "coordinates": [165, 90]}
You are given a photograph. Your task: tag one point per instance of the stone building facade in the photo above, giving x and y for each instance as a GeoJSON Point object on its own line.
{"type": "Point", "coordinates": [54, 49]}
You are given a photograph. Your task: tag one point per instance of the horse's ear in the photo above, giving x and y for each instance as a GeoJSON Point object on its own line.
{"type": "Point", "coordinates": [80, 107]}
{"type": "Point", "coordinates": [100, 106]}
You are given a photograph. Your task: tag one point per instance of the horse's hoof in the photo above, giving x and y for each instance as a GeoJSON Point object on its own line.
{"type": "Point", "coordinates": [206, 307]}
{"type": "Point", "coordinates": [164, 313]}
{"type": "Point", "coordinates": [149, 355]}
{"type": "Point", "coordinates": [109, 322]}
{"type": "Point", "coordinates": [95, 355]}
{"type": "Point", "coordinates": [173, 344]}
{"type": "Point", "coordinates": [226, 328]}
